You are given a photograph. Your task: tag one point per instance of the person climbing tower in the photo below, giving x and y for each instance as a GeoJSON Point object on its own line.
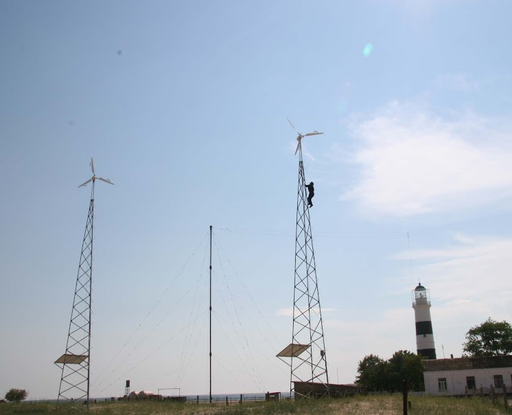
{"type": "Point", "coordinates": [311, 189]}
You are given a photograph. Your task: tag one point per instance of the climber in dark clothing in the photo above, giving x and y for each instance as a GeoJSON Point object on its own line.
{"type": "Point", "coordinates": [311, 189]}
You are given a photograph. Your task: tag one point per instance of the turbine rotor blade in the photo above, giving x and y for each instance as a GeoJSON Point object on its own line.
{"type": "Point", "coordinates": [314, 133]}
{"type": "Point", "coordinates": [105, 180]}
{"type": "Point", "coordinates": [85, 184]}
{"type": "Point", "coordinates": [92, 166]}
{"type": "Point", "coordinates": [292, 124]}
{"type": "Point", "coordinates": [300, 135]}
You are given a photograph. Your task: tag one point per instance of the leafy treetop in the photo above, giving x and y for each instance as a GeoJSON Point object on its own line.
{"type": "Point", "coordinates": [491, 338]}
{"type": "Point", "coordinates": [376, 374]}
{"type": "Point", "coordinates": [16, 395]}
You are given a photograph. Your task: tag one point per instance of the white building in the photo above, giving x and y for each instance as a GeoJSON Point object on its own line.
{"type": "Point", "coordinates": [468, 375]}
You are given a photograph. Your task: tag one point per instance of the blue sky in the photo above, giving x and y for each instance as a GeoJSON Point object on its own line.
{"type": "Point", "coordinates": [183, 105]}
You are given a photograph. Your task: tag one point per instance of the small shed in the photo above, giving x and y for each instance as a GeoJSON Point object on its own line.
{"type": "Point", "coordinates": [319, 390]}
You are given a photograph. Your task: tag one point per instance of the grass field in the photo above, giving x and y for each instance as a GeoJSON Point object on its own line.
{"type": "Point", "coordinates": [361, 405]}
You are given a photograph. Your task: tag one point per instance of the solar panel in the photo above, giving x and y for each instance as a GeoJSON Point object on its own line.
{"type": "Point", "coordinates": [293, 350]}
{"type": "Point", "coordinates": [71, 359]}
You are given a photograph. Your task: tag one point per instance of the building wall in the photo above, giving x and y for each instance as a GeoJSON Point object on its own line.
{"type": "Point", "coordinates": [425, 341]}
{"type": "Point", "coordinates": [456, 380]}
{"type": "Point", "coordinates": [422, 311]}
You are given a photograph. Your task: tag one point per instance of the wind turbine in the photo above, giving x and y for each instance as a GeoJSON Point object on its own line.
{"type": "Point", "coordinates": [75, 371]}
{"type": "Point", "coordinates": [306, 352]}
{"type": "Point", "coordinates": [93, 178]}
{"type": "Point", "coordinates": [301, 136]}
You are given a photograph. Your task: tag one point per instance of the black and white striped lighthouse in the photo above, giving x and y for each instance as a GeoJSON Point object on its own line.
{"type": "Point", "coordinates": [424, 332]}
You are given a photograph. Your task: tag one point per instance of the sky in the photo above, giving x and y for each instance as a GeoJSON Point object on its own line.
{"type": "Point", "coordinates": [184, 106]}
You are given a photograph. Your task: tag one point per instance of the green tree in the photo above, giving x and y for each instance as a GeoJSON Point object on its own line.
{"type": "Point", "coordinates": [491, 338]}
{"type": "Point", "coordinates": [372, 373]}
{"type": "Point", "coordinates": [407, 366]}
{"type": "Point", "coordinates": [376, 374]}
{"type": "Point", "coordinates": [16, 395]}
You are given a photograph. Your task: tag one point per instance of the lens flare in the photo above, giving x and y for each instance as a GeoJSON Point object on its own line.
{"type": "Point", "coordinates": [367, 50]}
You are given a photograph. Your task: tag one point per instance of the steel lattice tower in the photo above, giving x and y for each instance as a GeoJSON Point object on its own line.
{"type": "Point", "coordinates": [75, 362]}
{"type": "Point", "coordinates": [308, 363]}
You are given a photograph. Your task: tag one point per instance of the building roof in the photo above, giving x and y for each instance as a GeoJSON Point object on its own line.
{"type": "Point", "coordinates": [465, 363]}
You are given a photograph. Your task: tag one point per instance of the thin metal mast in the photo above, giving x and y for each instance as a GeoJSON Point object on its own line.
{"type": "Point", "coordinates": [75, 374]}
{"type": "Point", "coordinates": [211, 314]}
{"type": "Point", "coordinates": [308, 363]}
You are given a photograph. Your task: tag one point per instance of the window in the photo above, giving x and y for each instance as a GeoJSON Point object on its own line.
{"type": "Point", "coordinates": [470, 382]}
{"type": "Point", "coordinates": [441, 382]}
{"type": "Point", "coordinates": [498, 381]}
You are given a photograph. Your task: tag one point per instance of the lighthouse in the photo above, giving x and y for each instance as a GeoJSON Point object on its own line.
{"type": "Point", "coordinates": [424, 332]}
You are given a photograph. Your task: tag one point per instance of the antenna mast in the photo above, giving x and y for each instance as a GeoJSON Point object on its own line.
{"type": "Point", "coordinates": [308, 363]}
{"type": "Point", "coordinates": [211, 313]}
{"type": "Point", "coordinates": [75, 375]}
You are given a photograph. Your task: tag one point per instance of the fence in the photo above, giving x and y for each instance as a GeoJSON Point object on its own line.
{"type": "Point", "coordinates": [236, 399]}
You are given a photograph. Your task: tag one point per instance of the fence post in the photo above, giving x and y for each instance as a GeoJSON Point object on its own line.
{"type": "Point", "coordinates": [227, 402]}
{"type": "Point", "coordinates": [404, 395]}
{"type": "Point", "coordinates": [505, 396]}
{"type": "Point", "coordinates": [241, 397]}
{"type": "Point", "coordinates": [197, 399]}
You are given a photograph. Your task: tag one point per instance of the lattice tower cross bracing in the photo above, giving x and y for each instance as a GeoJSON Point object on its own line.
{"type": "Point", "coordinates": [74, 382]}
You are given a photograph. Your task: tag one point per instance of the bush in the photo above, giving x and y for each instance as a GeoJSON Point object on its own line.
{"type": "Point", "coordinates": [16, 395]}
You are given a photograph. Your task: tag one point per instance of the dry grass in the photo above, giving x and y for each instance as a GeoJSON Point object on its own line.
{"type": "Point", "coordinates": [367, 405]}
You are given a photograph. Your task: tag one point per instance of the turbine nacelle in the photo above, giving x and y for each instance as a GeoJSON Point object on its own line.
{"type": "Point", "coordinates": [301, 136]}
